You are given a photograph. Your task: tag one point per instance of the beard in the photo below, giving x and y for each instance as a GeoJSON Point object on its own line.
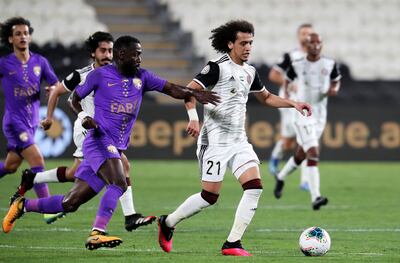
{"type": "Point", "coordinates": [104, 62]}
{"type": "Point", "coordinates": [129, 70]}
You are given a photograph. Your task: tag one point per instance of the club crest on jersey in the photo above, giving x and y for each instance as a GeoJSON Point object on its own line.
{"type": "Point", "coordinates": [137, 83]}
{"type": "Point", "coordinates": [112, 149]}
{"type": "Point", "coordinates": [24, 136]}
{"type": "Point", "coordinates": [205, 70]}
{"type": "Point", "coordinates": [37, 70]}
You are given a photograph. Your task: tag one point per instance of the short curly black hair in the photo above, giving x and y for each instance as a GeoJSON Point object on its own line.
{"type": "Point", "coordinates": [6, 28]}
{"type": "Point", "coordinates": [226, 33]}
{"type": "Point", "coordinates": [124, 42]}
{"type": "Point", "coordinates": [92, 43]}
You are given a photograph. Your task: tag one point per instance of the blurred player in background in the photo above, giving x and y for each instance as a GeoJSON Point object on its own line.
{"type": "Point", "coordinates": [21, 73]}
{"type": "Point", "coordinates": [223, 142]}
{"type": "Point", "coordinates": [277, 75]}
{"type": "Point", "coordinates": [99, 45]}
{"type": "Point", "coordinates": [317, 78]}
{"type": "Point", "coordinates": [118, 92]}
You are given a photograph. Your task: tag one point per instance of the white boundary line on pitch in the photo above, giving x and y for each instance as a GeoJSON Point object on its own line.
{"type": "Point", "coordinates": [119, 249]}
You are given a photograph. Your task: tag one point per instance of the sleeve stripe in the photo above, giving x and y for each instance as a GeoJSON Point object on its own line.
{"type": "Point", "coordinates": [200, 83]}
{"type": "Point", "coordinates": [256, 91]}
{"type": "Point", "coordinates": [65, 87]}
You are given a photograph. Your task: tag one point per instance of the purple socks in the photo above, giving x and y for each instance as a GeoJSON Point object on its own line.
{"type": "Point", "coordinates": [108, 203]}
{"type": "Point", "coordinates": [3, 171]}
{"type": "Point", "coordinates": [41, 190]}
{"type": "Point", "coordinates": [48, 205]}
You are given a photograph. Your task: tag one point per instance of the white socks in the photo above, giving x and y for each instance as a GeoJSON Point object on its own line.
{"type": "Point", "coordinates": [189, 207]}
{"type": "Point", "coordinates": [126, 201]}
{"type": "Point", "coordinates": [49, 176]}
{"type": "Point", "coordinates": [277, 152]}
{"type": "Point", "coordinates": [303, 173]}
{"type": "Point", "coordinates": [290, 167]}
{"type": "Point", "coordinates": [313, 180]}
{"type": "Point", "coordinates": [244, 213]}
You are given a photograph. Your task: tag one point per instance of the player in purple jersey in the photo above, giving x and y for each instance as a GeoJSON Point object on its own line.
{"type": "Point", "coordinates": [119, 89]}
{"type": "Point", "coordinates": [99, 46]}
{"type": "Point", "coordinates": [21, 73]}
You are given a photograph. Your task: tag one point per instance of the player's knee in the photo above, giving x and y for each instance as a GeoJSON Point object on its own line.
{"type": "Point", "coordinates": [252, 184]}
{"type": "Point", "coordinates": [71, 204]}
{"type": "Point", "coordinates": [209, 197]}
{"type": "Point", "coordinates": [312, 161]}
{"type": "Point", "coordinates": [299, 157]}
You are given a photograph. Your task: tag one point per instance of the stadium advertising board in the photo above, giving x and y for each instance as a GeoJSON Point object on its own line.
{"type": "Point", "coordinates": [351, 133]}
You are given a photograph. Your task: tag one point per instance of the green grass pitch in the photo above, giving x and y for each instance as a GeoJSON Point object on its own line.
{"type": "Point", "coordinates": [363, 218]}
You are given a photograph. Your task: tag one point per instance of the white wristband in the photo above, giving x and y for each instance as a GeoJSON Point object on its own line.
{"type": "Point", "coordinates": [193, 114]}
{"type": "Point", "coordinates": [82, 115]}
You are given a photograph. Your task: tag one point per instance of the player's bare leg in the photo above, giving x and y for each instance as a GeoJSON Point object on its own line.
{"type": "Point", "coordinates": [112, 172]}
{"type": "Point", "coordinates": [10, 164]}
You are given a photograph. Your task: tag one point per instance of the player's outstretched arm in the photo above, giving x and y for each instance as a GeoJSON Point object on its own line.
{"type": "Point", "coordinates": [75, 103]}
{"type": "Point", "coordinates": [52, 104]}
{"type": "Point", "coordinates": [193, 127]}
{"type": "Point", "coordinates": [180, 92]}
{"type": "Point", "coordinates": [87, 121]}
{"type": "Point", "coordinates": [272, 100]}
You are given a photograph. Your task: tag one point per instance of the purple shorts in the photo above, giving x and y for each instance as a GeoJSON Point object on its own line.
{"type": "Point", "coordinates": [86, 173]}
{"type": "Point", "coordinates": [97, 148]}
{"type": "Point", "coordinates": [19, 136]}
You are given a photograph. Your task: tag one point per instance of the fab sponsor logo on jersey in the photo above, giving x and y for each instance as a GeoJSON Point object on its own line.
{"type": "Point", "coordinates": [55, 141]}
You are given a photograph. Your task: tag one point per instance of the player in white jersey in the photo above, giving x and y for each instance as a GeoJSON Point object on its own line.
{"type": "Point", "coordinates": [223, 142]}
{"type": "Point", "coordinates": [277, 75]}
{"type": "Point", "coordinates": [99, 45]}
{"type": "Point", "coordinates": [317, 78]}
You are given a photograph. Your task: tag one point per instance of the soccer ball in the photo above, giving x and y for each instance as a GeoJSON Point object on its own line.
{"type": "Point", "coordinates": [314, 241]}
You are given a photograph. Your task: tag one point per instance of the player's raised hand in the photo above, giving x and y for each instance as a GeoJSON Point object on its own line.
{"type": "Point", "coordinates": [304, 108]}
{"type": "Point", "coordinates": [205, 96]}
{"type": "Point", "coordinates": [193, 128]}
{"type": "Point", "coordinates": [46, 123]}
{"type": "Point", "coordinates": [89, 123]}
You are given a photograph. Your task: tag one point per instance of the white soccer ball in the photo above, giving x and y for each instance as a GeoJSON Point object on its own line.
{"type": "Point", "coordinates": [314, 241]}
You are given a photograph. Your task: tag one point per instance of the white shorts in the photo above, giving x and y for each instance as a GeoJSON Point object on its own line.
{"type": "Point", "coordinates": [79, 137]}
{"type": "Point", "coordinates": [307, 135]}
{"type": "Point", "coordinates": [213, 160]}
{"type": "Point", "coordinates": [287, 122]}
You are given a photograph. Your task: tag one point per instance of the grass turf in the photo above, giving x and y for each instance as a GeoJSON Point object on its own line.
{"type": "Point", "coordinates": [362, 218]}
